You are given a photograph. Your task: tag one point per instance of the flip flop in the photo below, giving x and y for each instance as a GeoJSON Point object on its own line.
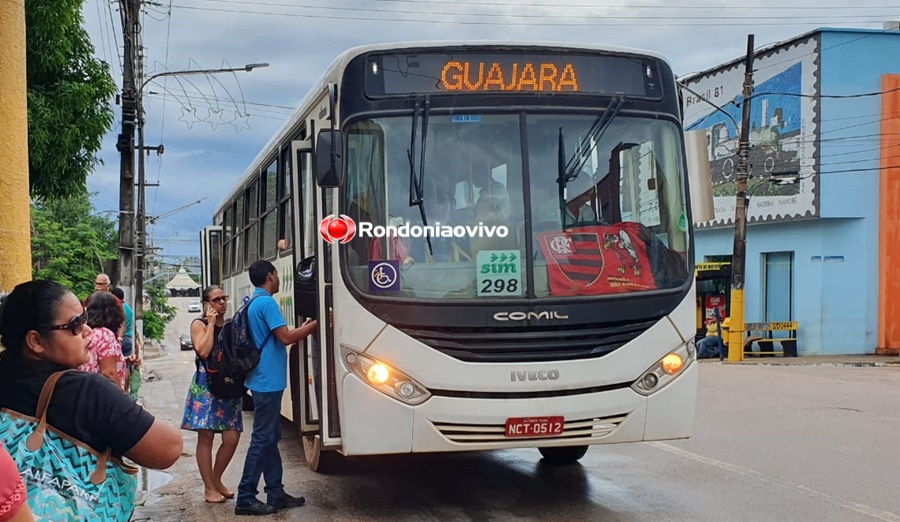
{"type": "Point", "coordinates": [217, 501]}
{"type": "Point", "coordinates": [227, 494]}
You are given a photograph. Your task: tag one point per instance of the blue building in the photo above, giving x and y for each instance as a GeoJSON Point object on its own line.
{"type": "Point", "coordinates": [825, 250]}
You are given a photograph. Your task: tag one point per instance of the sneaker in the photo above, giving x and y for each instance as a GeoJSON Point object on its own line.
{"type": "Point", "coordinates": [287, 502]}
{"type": "Point", "coordinates": [257, 508]}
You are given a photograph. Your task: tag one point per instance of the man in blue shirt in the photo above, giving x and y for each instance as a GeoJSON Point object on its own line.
{"type": "Point", "coordinates": [267, 382]}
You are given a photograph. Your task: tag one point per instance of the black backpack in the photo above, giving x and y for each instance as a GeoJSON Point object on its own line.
{"type": "Point", "coordinates": [233, 355]}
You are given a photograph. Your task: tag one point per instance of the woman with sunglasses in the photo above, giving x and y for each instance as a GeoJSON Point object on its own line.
{"type": "Point", "coordinates": [43, 331]}
{"type": "Point", "coordinates": [105, 317]}
{"type": "Point", "coordinates": [204, 412]}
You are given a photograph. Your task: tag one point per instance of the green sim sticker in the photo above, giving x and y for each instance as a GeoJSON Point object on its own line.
{"type": "Point", "coordinates": [499, 273]}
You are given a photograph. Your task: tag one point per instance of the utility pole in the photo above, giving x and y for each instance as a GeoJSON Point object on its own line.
{"type": "Point", "coordinates": [15, 230]}
{"type": "Point", "coordinates": [738, 261]}
{"type": "Point", "coordinates": [125, 146]}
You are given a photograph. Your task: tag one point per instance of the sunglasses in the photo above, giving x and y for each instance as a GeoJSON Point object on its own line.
{"type": "Point", "coordinates": [75, 325]}
{"type": "Point", "coordinates": [220, 299]}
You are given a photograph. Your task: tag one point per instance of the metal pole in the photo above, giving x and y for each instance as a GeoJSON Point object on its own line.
{"type": "Point", "coordinates": [141, 225]}
{"type": "Point", "coordinates": [738, 262]}
{"type": "Point", "coordinates": [15, 230]}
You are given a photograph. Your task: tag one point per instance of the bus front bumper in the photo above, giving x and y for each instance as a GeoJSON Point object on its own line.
{"type": "Point", "coordinates": [444, 423]}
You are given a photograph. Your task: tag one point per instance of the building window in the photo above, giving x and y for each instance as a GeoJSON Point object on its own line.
{"type": "Point", "coordinates": [778, 286]}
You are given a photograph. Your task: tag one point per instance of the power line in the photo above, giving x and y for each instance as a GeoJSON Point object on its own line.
{"type": "Point", "coordinates": [261, 3]}
{"type": "Point", "coordinates": [830, 96]}
{"type": "Point", "coordinates": [637, 23]}
{"type": "Point", "coordinates": [645, 6]}
{"type": "Point", "coordinates": [814, 52]}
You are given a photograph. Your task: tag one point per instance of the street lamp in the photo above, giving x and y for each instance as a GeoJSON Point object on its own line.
{"type": "Point", "coordinates": [247, 68]}
{"type": "Point", "coordinates": [141, 212]}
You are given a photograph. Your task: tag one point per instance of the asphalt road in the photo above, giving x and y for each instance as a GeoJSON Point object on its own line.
{"type": "Point", "coordinates": [770, 443]}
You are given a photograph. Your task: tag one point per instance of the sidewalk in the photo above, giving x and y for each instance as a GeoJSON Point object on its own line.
{"type": "Point", "coordinates": [176, 494]}
{"type": "Point", "coordinates": [815, 360]}
{"type": "Point", "coordinates": [165, 494]}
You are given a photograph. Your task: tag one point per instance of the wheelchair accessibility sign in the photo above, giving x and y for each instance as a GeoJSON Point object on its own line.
{"type": "Point", "coordinates": [384, 276]}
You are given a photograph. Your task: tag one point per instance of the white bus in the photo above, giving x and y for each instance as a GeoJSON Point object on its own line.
{"type": "Point", "coordinates": [502, 233]}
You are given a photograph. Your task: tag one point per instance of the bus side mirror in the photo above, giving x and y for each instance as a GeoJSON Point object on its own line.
{"type": "Point", "coordinates": [329, 167]}
{"type": "Point", "coordinates": [696, 146]}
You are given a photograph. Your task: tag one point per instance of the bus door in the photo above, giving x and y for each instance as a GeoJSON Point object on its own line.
{"type": "Point", "coordinates": [319, 420]}
{"type": "Point", "coordinates": [303, 365]}
{"type": "Point", "coordinates": [211, 255]}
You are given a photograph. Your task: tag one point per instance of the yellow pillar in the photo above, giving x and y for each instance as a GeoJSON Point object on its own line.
{"type": "Point", "coordinates": [736, 327]}
{"type": "Point", "coordinates": [15, 213]}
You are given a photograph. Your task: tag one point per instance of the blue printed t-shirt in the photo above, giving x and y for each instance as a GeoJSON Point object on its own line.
{"type": "Point", "coordinates": [265, 317]}
{"type": "Point", "coordinates": [129, 320]}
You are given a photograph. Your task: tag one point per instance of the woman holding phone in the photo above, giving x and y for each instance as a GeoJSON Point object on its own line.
{"type": "Point", "coordinates": [204, 412]}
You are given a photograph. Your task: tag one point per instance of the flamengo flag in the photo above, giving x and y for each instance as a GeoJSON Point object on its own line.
{"type": "Point", "coordinates": [597, 260]}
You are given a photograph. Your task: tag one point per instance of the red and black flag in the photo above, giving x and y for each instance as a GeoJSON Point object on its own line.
{"type": "Point", "coordinates": [596, 260]}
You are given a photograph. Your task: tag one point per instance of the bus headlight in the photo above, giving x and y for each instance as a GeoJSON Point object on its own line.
{"type": "Point", "coordinates": [384, 378]}
{"type": "Point", "coordinates": [666, 369]}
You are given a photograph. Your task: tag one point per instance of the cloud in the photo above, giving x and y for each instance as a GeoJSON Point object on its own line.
{"type": "Point", "coordinates": [203, 123]}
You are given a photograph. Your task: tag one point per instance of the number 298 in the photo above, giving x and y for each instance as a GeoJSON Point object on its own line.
{"type": "Point", "coordinates": [499, 286]}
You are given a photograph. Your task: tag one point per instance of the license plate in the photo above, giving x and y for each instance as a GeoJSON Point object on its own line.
{"type": "Point", "coordinates": [534, 426]}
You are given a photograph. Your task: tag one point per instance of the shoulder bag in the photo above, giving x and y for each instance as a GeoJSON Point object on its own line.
{"type": "Point", "coordinates": [66, 479]}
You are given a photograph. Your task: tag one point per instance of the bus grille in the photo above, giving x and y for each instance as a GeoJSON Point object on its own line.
{"type": "Point", "coordinates": [584, 429]}
{"type": "Point", "coordinates": [528, 344]}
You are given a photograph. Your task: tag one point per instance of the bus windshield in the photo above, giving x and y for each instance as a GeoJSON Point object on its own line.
{"type": "Point", "coordinates": [617, 225]}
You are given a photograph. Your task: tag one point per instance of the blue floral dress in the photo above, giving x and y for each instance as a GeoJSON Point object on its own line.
{"type": "Point", "coordinates": [205, 411]}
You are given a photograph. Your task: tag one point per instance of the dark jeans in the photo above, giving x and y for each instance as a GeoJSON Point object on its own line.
{"type": "Point", "coordinates": [710, 347]}
{"type": "Point", "coordinates": [263, 457]}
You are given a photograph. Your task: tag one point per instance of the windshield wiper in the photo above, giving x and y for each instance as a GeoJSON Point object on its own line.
{"type": "Point", "coordinates": [416, 185]}
{"type": "Point", "coordinates": [568, 170]}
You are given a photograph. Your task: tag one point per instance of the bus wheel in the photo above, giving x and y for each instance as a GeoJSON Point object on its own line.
{"type": "Point", "coordinates": [318, 460]}
{"type": "Point", "coordinates": [563, 455]}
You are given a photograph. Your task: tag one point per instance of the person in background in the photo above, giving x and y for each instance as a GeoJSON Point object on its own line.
{"type": "Point", "coordinates": [127, 340]}
{"type": "Point", "coordinates": [13, 495]}
{"type": "Point", "coordinates": [204, 412]}
{"type": "Point", "coordinates": [102, 284]}
{"type": "Point", "coordinates": [105, 316]}
{"type": "Point", "coordinates": [43, 331]}
{"type": "Point", "coordinates": [712, 344]}
{"type": "Point", "coordinates": [267, 382]}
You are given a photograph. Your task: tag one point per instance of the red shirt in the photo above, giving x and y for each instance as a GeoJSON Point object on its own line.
{"type": "Point", "coordinates": [12, 489]}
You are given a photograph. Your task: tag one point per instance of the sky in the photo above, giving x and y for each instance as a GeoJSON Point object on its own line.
{"type": "Point", "coordinates": [213, 126]}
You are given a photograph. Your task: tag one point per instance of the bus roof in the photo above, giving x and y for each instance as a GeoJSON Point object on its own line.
{"type": "Point", "coordinates": [332, 75]}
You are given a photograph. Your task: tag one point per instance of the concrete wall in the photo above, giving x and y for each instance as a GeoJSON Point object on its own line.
{"type": "Point", "coordinates": [829, 279]}
{"type": "Point", "coordinates": [836, 256]}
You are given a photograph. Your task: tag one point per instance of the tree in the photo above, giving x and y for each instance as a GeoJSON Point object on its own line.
{"type": "Point", "coordinates": [69, 244]}
{"type": "Point", "coordinates": [158, 314]}
{"type": "Point", "coordinates": [69, 95]}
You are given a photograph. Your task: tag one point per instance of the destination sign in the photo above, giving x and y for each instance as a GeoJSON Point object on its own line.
{"type": "Point", "coordinates": [510, 72]}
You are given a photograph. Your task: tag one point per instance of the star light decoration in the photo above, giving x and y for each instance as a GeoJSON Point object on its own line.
{"type": "Point", "coordinates": [188, 116]}
{"type": "Point", "coordinates": [214, 117]}
{"type": "Point", "coordinates": [243, 119]}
